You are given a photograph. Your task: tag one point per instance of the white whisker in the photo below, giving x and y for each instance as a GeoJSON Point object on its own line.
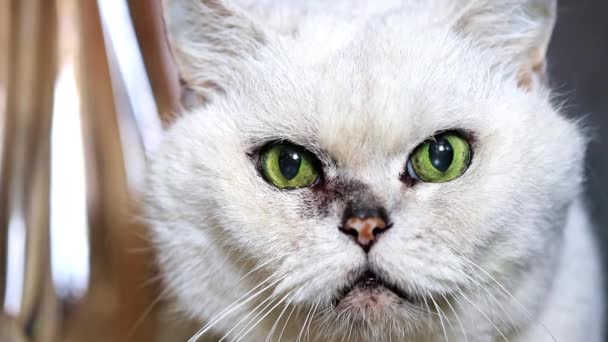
{"type": "Point", "coordinates": [304, 325]}
{"type": "Point", "coordinates": [464, 334]}
{"type": "Point", "coordinates": [485, 316]}
{"type": "Point", "coordinates": [268, 301]}
{"type": "Point", "coordinates": [429, 320]}
{"type": "Point", "coordinates": [310, 322]}
{"type": "Point", "coordinates": [350, 330]}
{"type": "Point", "coordinates": [261, 266]}
{"type": "Point", "coordinates": [235, 306]}
{"type": "Point", "coordinates": [285, 325]}
{"type": "Point", "coordinates": [519, 304]}
{"type": "Point", "coordinates": [480, 286]}
{"type": "Point", "coordinates": [445, 334]}
{"type": "Point", "coordinates": [263, 316]}
{"type": "Point", "coordinates": [276, 322]}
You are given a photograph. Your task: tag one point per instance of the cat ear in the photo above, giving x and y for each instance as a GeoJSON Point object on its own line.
{"type": "Point", "coordinates": [518, 30]}
{"type": "Point", "coordinates": [210, 39]}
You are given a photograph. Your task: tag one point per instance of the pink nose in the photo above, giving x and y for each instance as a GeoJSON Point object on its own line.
{"type": "Point", "coordinates": [365, 226]}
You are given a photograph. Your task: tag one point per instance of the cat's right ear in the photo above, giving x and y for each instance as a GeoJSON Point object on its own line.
{"type": "Point", "coordinates": [210, 40]}
{"type": "Point", "coordinates": [518, 31]}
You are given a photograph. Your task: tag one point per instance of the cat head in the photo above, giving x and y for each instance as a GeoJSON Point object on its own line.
{"type": "Point", "coordinates": [362, 164]}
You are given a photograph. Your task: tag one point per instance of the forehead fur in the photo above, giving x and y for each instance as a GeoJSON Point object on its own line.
{"type": "Point", "coordinates": [430, 79]}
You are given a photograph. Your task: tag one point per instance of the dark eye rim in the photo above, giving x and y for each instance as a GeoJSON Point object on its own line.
{"type": "Point", "coordinates": [257, 153]}
{"type": "Point", "coordinates": [468, 136]}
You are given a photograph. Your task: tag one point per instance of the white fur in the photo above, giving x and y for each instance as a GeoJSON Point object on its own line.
{"type": "Point", "coordinates": [361, 86]}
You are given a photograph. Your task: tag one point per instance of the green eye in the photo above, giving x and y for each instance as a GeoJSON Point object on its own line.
{"type": "Point", "coordinates": [441, 159]}
{"type": "Point", "coordinates": [289, 166]}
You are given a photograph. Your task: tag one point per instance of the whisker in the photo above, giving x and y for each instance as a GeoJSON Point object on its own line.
{"type": "Point", "coordinates": [350, 330]}
{"type": "Point", "coordinates": [286, 321]}
{"type": "Point", "coordinates": [324, 328]}
{"type": "Point", "coordinates": [447, 319]}
{"type": "Point", "coordinates": [480, 286]}
{"type": "Point", "coordinates": [519, 304]}
{"type": "Point", "coordinates": [343, 337]}
{"type": "Point", "coordinates": [268, 301]}
{"type": "Point", "coordinates": [256, 268]}
{"type": "Point", "coordinates": [304, 325]}
{"type": "Point", "coordinates": [256, 312]}
{"type": "Point", "coordinates": [429, 320]}
{"type": "Point", "coordinates": [262, 265]}
{"type": "Point", "coordinates": [310, 322]}
{"type": "Point", "coordinates": [464, 334]}
{"type": "Point", "coordinates": [445, 334]}
{"type": "Point", "coordinates": [146, 312]}
{"type": "Point", "coordinates": [274, 326]}
{"type": "Point", "coordinates": [263, 316]}
{"type": "Point", "coordinates": [484, 315]}
{"type": "Point", "coordinates": [235, 306]}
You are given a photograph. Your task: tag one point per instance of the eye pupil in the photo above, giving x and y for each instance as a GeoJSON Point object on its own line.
{"type": "Point", "coordinates": [289, 162]}
{"type": "Point", "coordinates": [441, 154]}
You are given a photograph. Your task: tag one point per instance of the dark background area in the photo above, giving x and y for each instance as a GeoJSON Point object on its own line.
{"type": "Point", "coordinates": [578, 68]}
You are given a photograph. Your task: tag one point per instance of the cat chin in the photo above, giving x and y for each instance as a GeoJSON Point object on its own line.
{"type": "Point", "coordinates": [374, 310]}
{"type": "Point", "coordinates": [364, 302]}
{"type": "Point", "coordinates": [369, 297]}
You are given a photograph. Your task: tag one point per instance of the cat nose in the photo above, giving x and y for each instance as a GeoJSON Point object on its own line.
{"type": "Point", "coordinates": [365, 224]}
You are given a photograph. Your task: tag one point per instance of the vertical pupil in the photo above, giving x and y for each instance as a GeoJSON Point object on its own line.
{"type": "Point", "coordinates": [289, 162]}
{"type": "Point", "coordinates": [441, 154]}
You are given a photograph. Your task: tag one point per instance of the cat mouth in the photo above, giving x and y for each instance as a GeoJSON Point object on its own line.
{"type": "Point", "coordinates": [369, 290]}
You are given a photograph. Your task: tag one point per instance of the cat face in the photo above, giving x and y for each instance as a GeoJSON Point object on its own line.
{"type": "Point", "coordinates": [306, 179]}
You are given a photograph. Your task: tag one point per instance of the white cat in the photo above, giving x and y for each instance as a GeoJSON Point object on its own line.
{"type": "Point", "coordinates": [372, 171]}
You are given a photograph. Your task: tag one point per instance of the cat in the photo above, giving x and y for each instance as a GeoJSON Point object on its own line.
{"type": "Point", "coordinates": [391, 170]}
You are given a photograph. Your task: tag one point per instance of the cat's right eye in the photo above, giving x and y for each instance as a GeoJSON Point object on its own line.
{"type": "Point", "coordinates": [289, 166]}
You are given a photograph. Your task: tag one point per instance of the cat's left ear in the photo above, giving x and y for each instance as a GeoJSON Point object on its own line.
{"type": "Point", "coordinates": [211, 41]}
{"type": "Point", "coordinates": [518, 30]}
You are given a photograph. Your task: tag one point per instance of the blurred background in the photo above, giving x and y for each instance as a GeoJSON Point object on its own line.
{"type": "Point", "coordinates": [85, 88]}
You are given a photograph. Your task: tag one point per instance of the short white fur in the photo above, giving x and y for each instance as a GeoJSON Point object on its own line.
{"type": "Point", "coordinates": [361, 84]}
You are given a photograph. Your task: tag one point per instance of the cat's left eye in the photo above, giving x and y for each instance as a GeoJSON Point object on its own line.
{"type": "Point", "coordinates": [289, 166]}
{"type": "Point", "coordinates": [441, 159]}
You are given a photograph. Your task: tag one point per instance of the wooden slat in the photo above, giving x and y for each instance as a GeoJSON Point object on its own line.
{"type": "Point", "coordinates": [148, 24]}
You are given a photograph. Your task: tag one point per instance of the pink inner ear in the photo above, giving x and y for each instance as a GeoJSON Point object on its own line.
{"type": "Point", "coordinates": [192, 98]}
{"type": "Point", "coordinates": [208, 40]}
{"type": "Point", "coordinates": [533, 72]}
